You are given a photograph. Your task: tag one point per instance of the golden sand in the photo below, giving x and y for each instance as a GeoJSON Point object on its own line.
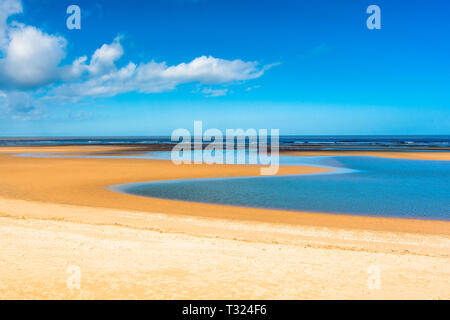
{"type": "Point", "coordinates": [58, 212]}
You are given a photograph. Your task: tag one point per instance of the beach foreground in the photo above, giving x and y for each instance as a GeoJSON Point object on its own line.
{"type": "Point", "coordinates": [58, 215]}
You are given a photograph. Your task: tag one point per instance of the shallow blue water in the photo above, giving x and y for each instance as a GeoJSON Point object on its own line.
{"type": "Point", "coordinates": [362, 186]}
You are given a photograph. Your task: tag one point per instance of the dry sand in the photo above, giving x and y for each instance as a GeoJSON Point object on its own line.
{"type": "Point", "coordinates": [56, 213]}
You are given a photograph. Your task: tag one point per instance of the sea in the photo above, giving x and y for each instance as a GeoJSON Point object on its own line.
{"type": "Point", "coordinates": [419, 142]}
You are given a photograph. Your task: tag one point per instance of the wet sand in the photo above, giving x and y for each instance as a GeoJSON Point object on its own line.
{"type": "Point", "coordinates": [58, 212]}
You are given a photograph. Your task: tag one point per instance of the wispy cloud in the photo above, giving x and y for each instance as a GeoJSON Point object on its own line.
{"type": "Point", "coordinates": [208, 92]}
{"type": "Point", "coordinates": [253, 87]}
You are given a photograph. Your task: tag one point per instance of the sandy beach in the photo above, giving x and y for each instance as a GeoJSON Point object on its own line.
{"type": "Point", "coordinates": [58, 213]}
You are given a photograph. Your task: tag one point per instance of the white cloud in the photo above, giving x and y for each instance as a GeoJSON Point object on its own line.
{"type": "Point", "coordinates": [31, 59]}
{"type": "Point", "coordinates": [213, 71]}
{"type": "Point", "coordinates": [156, 77]}
{"type": "Point", "coordinates": [253, 87]}
{"type": "Point", "coordinates": [75, 70]}
{"type": "Point", "coordinates": [103, 60]}
{"type": "Point", "coordinates": [208, 92]}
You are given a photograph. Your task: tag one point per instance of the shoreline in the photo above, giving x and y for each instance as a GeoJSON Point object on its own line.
{"type": "Point", "coordinates": [115, 172]}
{"type": "Point", "coordinates": [58, 212]}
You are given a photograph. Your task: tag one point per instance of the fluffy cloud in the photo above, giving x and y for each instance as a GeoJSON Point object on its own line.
{"type": "Point", "coordinates": [156, 77]}
{"type": "Point", "coordinates": [103, 60]}
{"type": "Point", "coordinates": [213, 71]}
{"type": "Point", "coordinates": [31, 59]}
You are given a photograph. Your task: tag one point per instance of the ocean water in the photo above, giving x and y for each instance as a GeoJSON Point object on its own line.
{"type": "Point", "coordinates": [303, 142]}
{"type": "Point", "coordinates": [361, 186]}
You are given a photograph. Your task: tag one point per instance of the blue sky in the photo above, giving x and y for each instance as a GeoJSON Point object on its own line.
{"type": "Point", "coordinates": [149, 67]}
